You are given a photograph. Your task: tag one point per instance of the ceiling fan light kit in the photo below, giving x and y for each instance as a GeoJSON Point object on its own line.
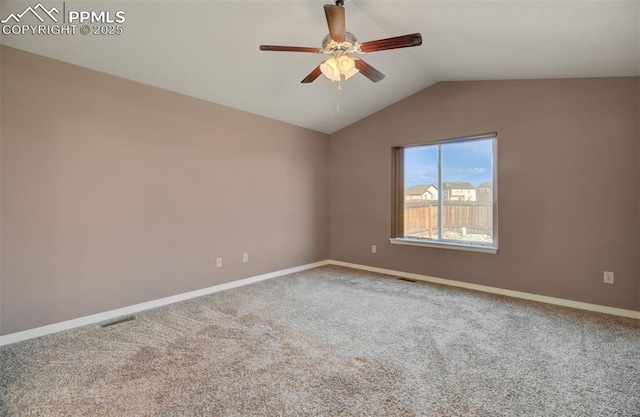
{"type": "Point", "coordinates": [337, 68]}
{"type": "Point", "coordinates": [342, 45]}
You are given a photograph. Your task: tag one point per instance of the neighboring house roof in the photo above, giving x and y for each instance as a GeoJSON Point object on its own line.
{"type": "Point", "coordinates": [458, 185]}
{"type": "Point", "coordinates": [485, 185]}
{"type": "Point", "coordinates": [419, 189]}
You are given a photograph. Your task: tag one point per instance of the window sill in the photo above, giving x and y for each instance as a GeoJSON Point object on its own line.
{"type": "Point", "coordinates": [443, 245]}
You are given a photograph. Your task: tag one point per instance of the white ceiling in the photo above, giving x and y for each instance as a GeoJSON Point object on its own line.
{"type": "Point", "coordinates": [209, 49]}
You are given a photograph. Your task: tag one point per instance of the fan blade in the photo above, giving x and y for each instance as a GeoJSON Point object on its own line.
{"type": "Point", "coordinates": [312, 75]}
{"type": "Point", "coordinates": [290, 49]}
{"type": "Point", "coordinates": [335, 21]}
{"type": "Point", "coordinates": [405, 41]}
{"type": "Point", "coordinates": [368, 71]}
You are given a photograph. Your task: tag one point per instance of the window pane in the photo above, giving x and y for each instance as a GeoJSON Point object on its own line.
{"type": "Point", "coordinates": [467, 182]}
{"type": "Point", "coordinates": [421, 192]}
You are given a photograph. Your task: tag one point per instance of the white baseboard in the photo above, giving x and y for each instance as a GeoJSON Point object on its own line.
{"type": "Point", "coordinates": [108, 315]}
{"type": "Point", "coordinates": [493, 290]}
{"type": "Point", "coordinates": [112, 314]}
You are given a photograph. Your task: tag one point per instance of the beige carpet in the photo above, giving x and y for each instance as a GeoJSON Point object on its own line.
{"type": "Point", "coordinates": [333, 341]}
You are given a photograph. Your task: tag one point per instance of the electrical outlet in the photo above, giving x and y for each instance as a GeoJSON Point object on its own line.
{"type": "Point", "coordinates": [245, 257]}
{"type": "Point", "coordinates": [218, 262]}
{"type": "Point", "coordinates": [374, 249]}
{"type": "Point", "coordinates": [608, 277]}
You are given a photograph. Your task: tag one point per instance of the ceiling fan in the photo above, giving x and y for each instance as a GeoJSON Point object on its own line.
{"type": "Point", "coordinates": [342, 45]}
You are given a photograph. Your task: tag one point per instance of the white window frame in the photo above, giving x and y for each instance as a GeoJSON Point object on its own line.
{"type": "Point", "coordinates": [397, 221]}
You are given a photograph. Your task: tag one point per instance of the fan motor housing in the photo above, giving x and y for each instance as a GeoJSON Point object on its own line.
{"type": "Point", "coordinates": [330, 46]}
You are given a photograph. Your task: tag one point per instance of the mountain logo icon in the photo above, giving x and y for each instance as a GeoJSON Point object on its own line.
{"type": "Point", "coordinates": [34, 11]}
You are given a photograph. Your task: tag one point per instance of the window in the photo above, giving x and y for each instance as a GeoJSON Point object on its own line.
{"type": "Point", "coordinates": [445, 194]}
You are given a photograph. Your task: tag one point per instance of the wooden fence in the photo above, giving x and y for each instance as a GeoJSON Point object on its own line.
{"type": "Point", "coordinates": [421, 217]}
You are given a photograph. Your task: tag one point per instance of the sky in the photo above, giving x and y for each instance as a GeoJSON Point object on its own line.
{"type": "Point", "coordinates": [470, 161]}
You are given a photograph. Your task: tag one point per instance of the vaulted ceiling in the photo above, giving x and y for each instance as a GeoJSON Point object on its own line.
{"type": "Point", "coordinates": [209, 49]}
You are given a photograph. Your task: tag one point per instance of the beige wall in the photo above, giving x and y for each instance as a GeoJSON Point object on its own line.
{"type": "Point", "coordinates": [558, 140]}
{"type": "Point", "coordinates": [115, 193]}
